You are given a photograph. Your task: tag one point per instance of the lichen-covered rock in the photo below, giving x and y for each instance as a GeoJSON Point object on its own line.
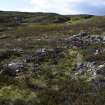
{"type": "Point", "coordinates": [13, 68]}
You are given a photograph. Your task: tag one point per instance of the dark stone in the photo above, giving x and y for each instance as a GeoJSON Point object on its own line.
{"type": "Point", "coordinates": [4, 55]}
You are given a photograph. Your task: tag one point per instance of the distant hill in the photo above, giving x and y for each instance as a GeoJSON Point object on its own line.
{"type": "Point", "coordinates": [23, 17]}
{"type": "Point", "coordinates": [15, 18]}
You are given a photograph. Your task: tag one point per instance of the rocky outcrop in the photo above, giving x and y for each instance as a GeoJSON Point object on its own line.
{"type": "Point", "coordinates": [43, 54]}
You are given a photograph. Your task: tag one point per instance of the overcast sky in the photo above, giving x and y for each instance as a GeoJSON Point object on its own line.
{"type": "Point", "coordinates": [95, 7]}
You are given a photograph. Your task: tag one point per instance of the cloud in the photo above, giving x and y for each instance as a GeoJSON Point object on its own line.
{"type": "Point", "coordinates": [69, 6]}
{"type": "Point", "coordinates": [59, 6]}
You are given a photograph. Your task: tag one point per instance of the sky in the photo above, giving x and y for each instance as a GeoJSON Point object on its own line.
{"type": "Point", "coordinates": [94, 7]}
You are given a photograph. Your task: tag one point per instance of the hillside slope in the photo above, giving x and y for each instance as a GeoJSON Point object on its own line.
{"type": "Point", "coordinates": [23, 17]}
